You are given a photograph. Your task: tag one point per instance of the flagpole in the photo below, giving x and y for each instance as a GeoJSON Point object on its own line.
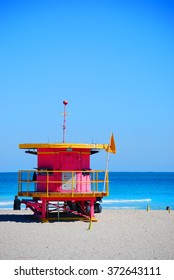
{"type": "Point", "coordinates": [107, 163]}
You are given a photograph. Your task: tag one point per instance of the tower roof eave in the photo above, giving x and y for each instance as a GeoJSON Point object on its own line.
{"type": "Point", "coordinates": [63, 146]}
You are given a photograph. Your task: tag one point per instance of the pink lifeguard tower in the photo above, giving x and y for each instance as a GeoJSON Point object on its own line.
{"type": "Point", "coordinates": [63, 182]}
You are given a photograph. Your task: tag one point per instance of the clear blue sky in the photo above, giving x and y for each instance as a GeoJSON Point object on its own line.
{"type": "Point", "coordinates": [112, 60]}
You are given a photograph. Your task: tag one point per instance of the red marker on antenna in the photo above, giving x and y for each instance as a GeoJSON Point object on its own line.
{"type": "Point", "coordinates": [65, 102]}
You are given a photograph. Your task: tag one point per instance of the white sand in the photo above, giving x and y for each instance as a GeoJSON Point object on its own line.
{"type": "Point", "coordinates": [129, 235]}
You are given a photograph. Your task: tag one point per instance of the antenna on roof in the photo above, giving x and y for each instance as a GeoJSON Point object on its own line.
{"type": "Point", "coordinates": [65, 102]}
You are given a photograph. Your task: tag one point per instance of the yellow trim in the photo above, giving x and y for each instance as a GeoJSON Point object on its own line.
{"type": "Point", "coordinates": [83, 219]}
{"type": "Point", "coordinates": [24, 177]}
{"type": "Point", "coordinates": [61, 195]}
{"type": "Point", "coordinates": [64, 146]}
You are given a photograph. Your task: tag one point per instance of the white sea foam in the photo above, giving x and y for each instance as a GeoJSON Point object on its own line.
{"type": "Point", "coordinates": [121, 207]}
{"type": "Point", "coordinates": [3, 203]}
{"type": "Point", "coordinates": [109, 201]}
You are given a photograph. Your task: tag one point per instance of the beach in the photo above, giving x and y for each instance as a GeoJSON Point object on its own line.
{"type": "Point", "coordinates": [118, 235]}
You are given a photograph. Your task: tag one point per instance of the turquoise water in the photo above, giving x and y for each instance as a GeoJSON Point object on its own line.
{"type": "Point", "coordinates": [128, 190]}
{"type": "Point", "coordinates": [136, 190]}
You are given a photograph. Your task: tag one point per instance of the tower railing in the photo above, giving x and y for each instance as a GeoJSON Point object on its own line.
{"type": "Point", "coordinates": [63, 182]}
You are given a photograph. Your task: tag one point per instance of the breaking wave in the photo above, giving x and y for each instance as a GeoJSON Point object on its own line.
{"type": "Point", "coordinates": [111, 201]}
{"type": "Point", "coordinates": [5, 203]}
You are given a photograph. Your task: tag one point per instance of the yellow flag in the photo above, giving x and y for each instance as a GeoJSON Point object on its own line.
{"type": "Point", "coordinates": [111, 148]}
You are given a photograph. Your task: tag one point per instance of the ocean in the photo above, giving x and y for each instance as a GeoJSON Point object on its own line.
{"type": "Point", "coordinates": [127, 190]}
